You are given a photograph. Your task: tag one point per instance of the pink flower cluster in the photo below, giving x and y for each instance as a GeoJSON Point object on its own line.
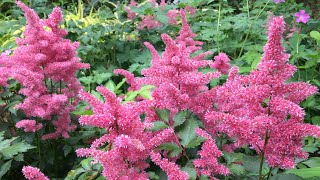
{"type": "Point", "coordinates": [32, 173]}
{"type": "Point", "coordinates": [29, 125]}
{"type": "Point", "coordinates": [44, 63]}
{"type": "Point", "coordinates": [149, 21]}
{"type": "Point", "coordinates": [128, 141]}
{"type": "Point", "coordinates": [262, 109]}
{"type": "Point", "coordinates": [179, 85]}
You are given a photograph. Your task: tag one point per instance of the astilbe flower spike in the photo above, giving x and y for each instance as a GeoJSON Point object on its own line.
{"type": "Point", "coordinates": [44, 56]}
{"type": "Point", "coordinates": [208, 163]}
{"type": "Point", "coordinates": [128, 141]}
{"type": "Point", "coordinates": [29, 125]}
{"type": "Point", "coordinates": [261, 109]}
{"type": "Point", "coordinates": [179, 85]}
{"type": "Point", "coordinates": [32, 173]}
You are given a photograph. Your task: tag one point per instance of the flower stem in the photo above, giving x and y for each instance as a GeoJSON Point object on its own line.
{"type": "Point", "coordinates": [262, 155]}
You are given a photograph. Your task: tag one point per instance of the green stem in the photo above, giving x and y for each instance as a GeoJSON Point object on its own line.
{"type": "Point", "coordinates": [262, 155]}
{"type": "Point", "coordinates": [51, 86]}
{"type": "Point", "coordinates": [269, 173]}
{"type": "Point", "coordinates": [218, 24]}
{"type": "Point", "coordinates": [60, 87]}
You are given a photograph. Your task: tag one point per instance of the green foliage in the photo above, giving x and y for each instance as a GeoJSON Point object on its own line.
{"type": "Point", "coordinates": [11, 150]}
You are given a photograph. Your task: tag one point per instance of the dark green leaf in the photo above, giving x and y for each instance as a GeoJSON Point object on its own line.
{"type": "Point", "coordinates": [5, 168]}
{"type": "Point", "coordinates": [306, 172]}
{"type": "Point", "coordinates": [187, 132]}
{"type": "Point", "coordinates": [157, 125]}
{"type": "Point", "coordinates": [286, 177]}
{"type": "Point", "coordinates": [179, 118]}
{"type": "Point", "coordinates": [163, 114]}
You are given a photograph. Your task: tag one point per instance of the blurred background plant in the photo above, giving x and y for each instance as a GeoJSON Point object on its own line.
{"type": "Point", "coordinates": [109, 39]}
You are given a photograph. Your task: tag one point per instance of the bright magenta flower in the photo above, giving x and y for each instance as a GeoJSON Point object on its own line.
{"type": "Point", "coordinates": [302, 16]}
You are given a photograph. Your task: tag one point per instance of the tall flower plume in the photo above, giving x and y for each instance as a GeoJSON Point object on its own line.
{"type": "Point", "coordinates": [128, 141]}
{"type": "Point", "coordinates": [45, 63]}
{"type": "Point", "coordinates": [262, 109]}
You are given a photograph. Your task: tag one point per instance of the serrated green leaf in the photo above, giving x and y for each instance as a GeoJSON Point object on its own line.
{"type": "Point", "coordinates": [101, 178]}
{"type": "Point", "coordinates": [72, 175]}
{"type": "Point", "coordinates": [119, 85]}
{"type": "Point", "coordinates": [286, 177]}
{"type": "Point", "coordinates": [163, 114]}
{"type": "Point", "coordinates": [110, 85]}
{"type": "Point", "coordinates": [66, 149]}
{"type": "Point", "coordinates": [5, 168]}
{"type": "Point", "coordinates": [88, 175]}
{"type": "Point", "coordinates": [179, 118]}
{"type": "Point", "coordinates": [251, 163]}
{"type": "Point", "coordinates": [19, 157]}
{"type": "Point", "coordinates": [131, 95]}
{"type": "Point", "coordinates": [168, 146]}
{"type": "Point", "coordinates": [312, 162]}
{"type": "Point", "coordinates": [6, 143]}
{"type": "Point", "coordinates": [157, 125]}
{"type": "Point", "coordinates": [153, 175]}
{"type": "Point", "coordinates": [14, 149]}
{"type": "Point", "coordinates": [187, 132]}
{"type": "Point", "coordinates": [233, 157]}
{"type": "Point", "coordinates": [237, 169]}
{"type": "Point", "coordinates": [86, 163]}
{"type": "Point", "coordinates": [195, 142]}
{"type": "Point", "coordinates": [191, 172]}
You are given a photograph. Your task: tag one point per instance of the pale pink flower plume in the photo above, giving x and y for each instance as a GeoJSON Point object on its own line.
{"type": "Point", "coordinates": [29, 125]}
{"type": "Point", "coordinates": [32, 173]}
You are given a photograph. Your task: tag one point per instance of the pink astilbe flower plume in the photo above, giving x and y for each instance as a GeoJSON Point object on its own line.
{"type": "Point", "coordinates": [29, 125]}
{"type": "Point", "coordinates": [208, 163]}
{"type": "Point", "coordinates": [32, 173]}
{"type": "Point", "coordinates": [262, 109]}
{"type": "Point", "coordinates": [173, 171]}
{"type": "Point", "coordinates": [221, 63]}
{"type": "Point", "coordinates": [128, 141]}
{"type": "Point", "coordinates": [180, 85]}
{"type": "Point", "coordinates": [45, 64]}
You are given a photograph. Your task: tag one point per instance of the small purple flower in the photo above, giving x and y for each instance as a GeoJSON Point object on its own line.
{"type": "Point", "coordinates": [302, 16]}
{"type": "Point", "coordinates": [278, 1]}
